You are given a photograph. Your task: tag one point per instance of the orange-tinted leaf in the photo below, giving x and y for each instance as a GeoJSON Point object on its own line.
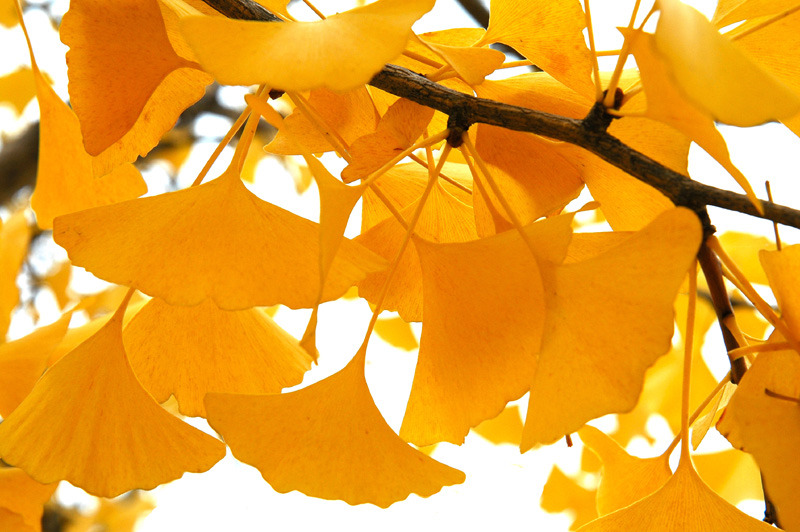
{"type": "Point", "coordinates": [465, 375]}
{"type": "Point", "coordinates": [58, 281]}
{"type": "Point", "coordinates": [126, 83]}
{"type": "Point", "coordinates": [340, 53]}
{"type": "Point", "coordinates": [15, 235]}
{"type": "Point", "coordinates": [550, 34]}
{"type": "Point", "coordinates": [8, 14]}
{"type": "Point", "coordinates": [768, 427]}
{"type": "Point", "coordinates": [253, 254]}
{"type": "Point", "coordinates": [23, 497]}
{"type": "Point", "coordinates": [328, 441]}
{"type": "Point", "coordinates": [472, 64]}
{"type": "Point", "coordinates": [625, 478]}
{"type": "Point", "coordinates": [714, 74]}
{"type": "Point", "coordinates": [732, 474]}
{"type": "Point", "coordinates": [623, 300]}
{"type": "Point", "coordinates": [781, 268]}
{"type": "Point", "coordinates": [730, 11]}
{"type": "Point", "coordinates": [190, 351]}
{"type": "Point", "coordinates": [743, 248]}
{"type": "Point", "coordinates": [23, 361]}
{"type": "Point", "coordinates": [89, 421]}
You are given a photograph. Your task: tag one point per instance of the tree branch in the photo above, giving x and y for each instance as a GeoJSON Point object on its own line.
{"type": "Point", "coordinates": [677, 187]}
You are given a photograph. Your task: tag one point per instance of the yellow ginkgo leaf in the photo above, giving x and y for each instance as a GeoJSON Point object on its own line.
{"type": "Point", "coordinates": [24, 498]}
{"type": "Point", "coordinates": [23, 361]}
{"type": "Point", "coordinates": [683, 504]}
{"type": "Point", "coordinates": [219, 239]}
{"type": "Point", "coordinates": [535, 179]}
{"type": "Point", "coordinates": [561, 493]}
{"type": "Point", "coordinates": [126, 83]}
{"type": "Point", "coordinates": [279, 7]}
{"type": "Point", "coordinates": [505, 428]}
{"type": "Point", "coordinates": [120, 514]}
{"type": "Point", "coordinates": [397, 130]}
{"type": "Point", "coordinates": [473, 64]}
{"type": "Point", "coordinates": [8, 14]}
{"type": "Point", "coordinates": [763, 419]}
{"type": "Point", "coordinates": [396, 332]}
{"type": "Point", "coordinates": [350, 114]}
{"type": "Point", "coordinates": [704, 423]}
{"type": "Point", "coordinates": [666, 103]}
{"type": "Point", "coordinates": [17, 88]}
{"type": "Point", "coordinates": [327, 440]}
{"type": "Point", "coordinates": [482, 329]}
{"type": "Point", "coordinates": [89, 421]}
{"type": "Point", "coordinates": [623, 300]}
{"type": "Point", "coordinates": [625, 478]}
{"type": "Point", "coordinates": [190, 351]}
{"type": "Point", "coordinates": [732, 474]}
{"type": "Point", "coordinates": [743, 248]}
{"type": "Point", "coordinates": [730, 11]}
{"type": "Point", "coordinates": [340, 53]}
{"type": "Point", "coordinates": [444, 219]}
{"type": "Point", "coordinates": [65, 181]}
{"type": "Point", "coordinates": [58, 281]}
{"type": "Point", "coordinates": [15, 235]}
{"type": "Point", "coordinates": [714, 74]}
{"type": "Point", "coordinates": [780, 267]}
{"type": "Point", "coordinates": [550, 34]}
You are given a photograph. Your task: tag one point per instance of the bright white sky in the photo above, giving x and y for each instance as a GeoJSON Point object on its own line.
{"type": "Point", "coordinates": [503, 487]}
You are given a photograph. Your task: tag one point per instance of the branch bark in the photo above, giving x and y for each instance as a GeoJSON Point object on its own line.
{"type": "Point", "coordinates": [680, 189]}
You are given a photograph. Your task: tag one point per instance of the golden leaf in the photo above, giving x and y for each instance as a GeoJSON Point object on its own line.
{"type": "Point", "coordinates": [340, 53]}
{"type": "Point", "coordinates": [396, 332]}
{"type": "Point", "coordinates": [562, 493]}
{"type": "Point", "coordinates": [505, 428]}
{"type": "Point", "coordinates": [623, 300]}
{"type": "Point", "coordinates": [15, 235]}
{"type": "Point", "coordinates": [465, 375]}
{"type": "Point", "coordinates": [89, 421]}
{"type": "Point", "coordinates": [328, 441]}
{"type": "Point", "coordinates": [190, 351]}
{"type": "Point", "coordinates": [23, 499]}
{"type": "Point", "coordinates": [253, 254]}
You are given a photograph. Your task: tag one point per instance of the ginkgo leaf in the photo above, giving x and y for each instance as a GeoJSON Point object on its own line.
{"type": "Point", "coordinates": [464, 375]}
{"type": "Point", "coordinates": [743, 248]}
{"type": "Point", "coordinates": [397, 130]}
{"type": "Point", "coordinates": [763, 419]}
{"type": "Point", "coordinates": [683, 504]}
{"type": "Point", "coordinates": [17, 88]}
{"type": "Point", "coordinates": [24, 498]}
{"type": "Point", "coordinates": [732, 474]}
{"type": "Point", "coordinates": [65, 181]}
{"type": "Point", "coordinates": [505, 428]}
{"type": "Point", "coordinates": [625, 478]}
{"type": "Point", "coordinates": [550, 34]}
{"type": "Point", "coordinates": [623, 300]}
{"type": "Point", "coordinates": [667, 104]}
{"type": "Point", "coordinates": [190, 351]}
{"type": "Point", "coordinates": [58, 281]}
{"type": "Point", "coordinates": [126, 83]}
{"type": "Point", "coordinates": [350, 114]}
{"type": "Point", "coordinates": [218, 239]}
{"type": "Point", "coordinates": [89, 421]}
{"type": "Point", "coordinates": [116, 515]}
{"type": "Point", "coordinates": [23, 361]}
{"type": "Point", "coordinates": [444, 219]}
{"type": "Point", "coordinates": [730, 11]}
{"type": "Point", "coordinates": [534, 178]}
{"type": "Point", "coordinates": [714, 74]}
{"type": "Point", "coordinates": [327, 440]}
{"type": "Point", "coordinates": [780, 267]}
{"type": "Point", "coordinates": [396, 332]}
{"type": "Point", "coordinates": [701, 427]}
{"type": "Point", "coordinates": [8, 14]}
{"type": "Point", "coordinates": [473, 64]}
{"type": "Point", "coordinates": [561, 493]}
{"type": "Point", "coordinates": [15, 235]}
{"type": "Point", "coordinates": [340, 53]}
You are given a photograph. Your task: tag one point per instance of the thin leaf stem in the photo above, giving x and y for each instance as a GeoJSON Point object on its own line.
{"type": "Point", "coordinates": [598, 86]}
{"type": "Point", "coordinates": [688, 345]}
{"type": "Point", "coordinates": [237, 125]}
{"type": "Point", "coordinates": [330, 134]}
{"type": "Point", "coordinates": [697, 411]}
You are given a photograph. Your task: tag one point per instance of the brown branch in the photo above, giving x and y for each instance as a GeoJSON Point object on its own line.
{"type": "Point", "coordinates": [677, 187]}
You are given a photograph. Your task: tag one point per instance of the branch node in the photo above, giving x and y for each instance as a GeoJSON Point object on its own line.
{"type": "Point", "coordinates": [458, 122]}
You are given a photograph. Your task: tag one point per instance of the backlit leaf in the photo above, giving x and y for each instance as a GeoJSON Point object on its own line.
{"type": "Point", "coordinates": [340, 53]}
{"type": "Point", "coordinates": [328, 441]}
{"type": "Point", "coordinates": [89, 421]}
{"type": "Point", "coordinates": [23, 497]}
{"type": "Point", "coordinates": [15, 235]}
{"type": "Point", "coordinates": [219, 239]}
{"type": "Point", "coordinates": [190, 351]}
